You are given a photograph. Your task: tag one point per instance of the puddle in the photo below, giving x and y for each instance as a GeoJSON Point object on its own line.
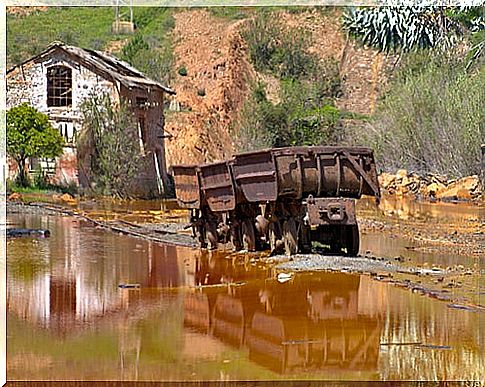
{"type": "Point", "coordinates": [214, 316]}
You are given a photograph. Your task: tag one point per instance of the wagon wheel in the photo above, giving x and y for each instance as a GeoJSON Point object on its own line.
{"type": "Point", "coordinates": [290, 236]}
{"type": "Point", "coordinates": [236, 237]}
{"type": "Point", "coordinates": [352, 240]}
{"type": "Point", "coordinates": [201, 232]}
{"type": "Point", "coordinates": [248, 235]}
{"type": "Point", "coordinates": [305, 243]}
{"type": "Point", "coordinates": [212, 236]}
{"type": "Point", "coordinates": [274, 235]}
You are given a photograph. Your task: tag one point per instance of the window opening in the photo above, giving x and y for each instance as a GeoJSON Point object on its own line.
{"type": "Point", "coordinates": [59, 86]}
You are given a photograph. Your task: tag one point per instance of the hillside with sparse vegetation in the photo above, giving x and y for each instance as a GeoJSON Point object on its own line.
{"type": "Point", "coordinates": [248, 78]}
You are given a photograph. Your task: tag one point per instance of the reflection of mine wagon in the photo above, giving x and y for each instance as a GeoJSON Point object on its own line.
{"type": "Point", "coordinates": [284, 344]}
{"type": "Point", "coordinates": [285, 196]}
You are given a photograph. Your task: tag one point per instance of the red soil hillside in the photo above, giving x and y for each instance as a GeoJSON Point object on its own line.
{"type": "Point", "coordinates": [214, 89]}
{"type": "Point", "coordinates": [219, 74]}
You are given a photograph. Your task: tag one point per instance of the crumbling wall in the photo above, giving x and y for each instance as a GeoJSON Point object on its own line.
{"type": "Point", "coordinates": [28, 83]}
{"type": "Point", "coordinates": [151, 113]}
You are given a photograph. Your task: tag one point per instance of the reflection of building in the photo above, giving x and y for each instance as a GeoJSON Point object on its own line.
{"type": "Point", "coordinates": [308, 323]}
{"type": "Point", "coordinates": [76, 273]}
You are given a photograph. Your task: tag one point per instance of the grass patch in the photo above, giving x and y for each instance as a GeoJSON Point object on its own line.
{"type": "Point", "coordinates": [306, 112]}
{"type": "Point", "coordinates": [150, 49]}
{"type": "Point", "coordinates": [87, 27]}
{"type": "Point", "coordinates": [230, 13]}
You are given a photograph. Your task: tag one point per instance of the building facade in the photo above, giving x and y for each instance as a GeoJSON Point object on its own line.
{"type": "Point", "coordinates": [57, 81]}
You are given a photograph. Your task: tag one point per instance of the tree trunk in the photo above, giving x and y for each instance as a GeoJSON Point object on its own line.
{"type": "Point", "coordinates": [22, 177]}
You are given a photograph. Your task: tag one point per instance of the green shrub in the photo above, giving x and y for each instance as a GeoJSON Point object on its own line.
{"type": "Point", "coordinates": [401, 28]}
{"type": "Point", "coordinates": [182, 71]}
{"type": "Point", "coordinates": [150, 49]}
{"type": "Point", "coordinates": [133, 47]}
{"type": "Point", "coordinates": [231, 13]}
{"type": "Point", "coordinates": [274, 50]}
{"type": "Point", "coordinates": [108, 146]}
{"type": "Point", "coordinates": [201, 92]}
{"type": "Point", "coordinates": [40, 179]}
{"type": "Point", "coordinates": [30, 134]}
{"type": "Point", "coordinates": [305, 115]}
{"type": "Point", "coordinates": [431, 120]}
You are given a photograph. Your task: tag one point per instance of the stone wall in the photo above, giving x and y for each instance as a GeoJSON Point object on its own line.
{"type": "Point", "coordinates": [151, 112]}
{"type": "Point", "coordinates": [28, 83]}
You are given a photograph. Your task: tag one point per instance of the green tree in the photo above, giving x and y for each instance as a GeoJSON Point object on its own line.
{"type": "Point", "coordinates": [29, 134]}
{"type": "Point", "coordinates": [109, 146]}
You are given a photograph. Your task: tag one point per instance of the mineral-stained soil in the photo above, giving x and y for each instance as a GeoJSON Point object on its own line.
{"type": "Point", "coordinates": [219, 75]}
{"type": "Point", "coordinates": [212, 93]}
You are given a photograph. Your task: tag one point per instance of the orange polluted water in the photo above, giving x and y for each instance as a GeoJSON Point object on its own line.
{"type": "Point", "coordinates": [190, 315]}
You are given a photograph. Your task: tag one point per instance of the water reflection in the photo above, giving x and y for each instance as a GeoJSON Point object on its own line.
{"type": "Point", "coordinates": [73, 276]}
{"type": "Point", "coordinates": [312, 322]}
{"type": "Point", "coordinates": [423, 211]}
{"type": "Point", "coordinates": [200, 316]}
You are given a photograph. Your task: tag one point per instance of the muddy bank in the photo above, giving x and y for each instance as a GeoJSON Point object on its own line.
{"type": "Point", "coordinates": [168, 233]}
{"type": "Point", "coordinates": [446, 228]}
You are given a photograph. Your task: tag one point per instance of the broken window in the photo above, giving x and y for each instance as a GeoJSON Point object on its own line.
{"type": "Point", "coordinates": [68, 131]}
{"type": "Point", "coordinates": [141, 102]}
{"type": "Point", "coordinates": [59, 86]}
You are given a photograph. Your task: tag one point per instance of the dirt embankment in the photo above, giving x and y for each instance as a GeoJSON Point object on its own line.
{"type": "Point", "coordinates": [364, 71]}
{"type": "Point", "coordinates": [213, 91]}
{"type": "Point", "coordinates": [219, 74]}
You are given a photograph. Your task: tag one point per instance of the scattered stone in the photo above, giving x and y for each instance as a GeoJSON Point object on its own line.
{"type": "Point", "coordinates": [15, 197]}
{"type": "Point", "coordinates": [432, 187]}
{"type": "Point", "coordinates": [67, 198]}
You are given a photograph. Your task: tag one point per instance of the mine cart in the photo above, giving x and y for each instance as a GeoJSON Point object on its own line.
{"type": "Point", "coordinates": [282, 198]}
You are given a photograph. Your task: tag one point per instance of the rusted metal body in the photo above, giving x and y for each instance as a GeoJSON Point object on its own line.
{"type": "Point", "coordinates": [282, 191]}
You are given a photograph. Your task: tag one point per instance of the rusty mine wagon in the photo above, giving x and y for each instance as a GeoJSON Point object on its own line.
{"type": "Point", "coordinates": [281, 198]}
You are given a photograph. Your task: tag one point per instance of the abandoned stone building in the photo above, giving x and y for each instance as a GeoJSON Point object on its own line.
{"type": "Point", "coordinates": [58, 80]}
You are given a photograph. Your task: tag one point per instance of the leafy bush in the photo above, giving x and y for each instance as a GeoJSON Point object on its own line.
{"type": "Point", "coordinates": [182, 71]}
{"type": "Point", "coordinates": [150, 49]}
{"type": "Point", "coordinates": [305, 115]}
{"type": "Point", "coordinates": [108, 146]}
{"type": "Point", "coordinates": [133, 47]}
{"type": "Point", "coordinates": [431, 120]}
{"type": "Point", "coordinates": [393, 28]}
{"type": "Point", "coordinates": [274, 50]}
{"type": "Point", "coordinates": [29, 134]}
{"type": "Point", "coordinates": [231, 13]}
{"type": "Point", "coordinates": [40, 179]}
